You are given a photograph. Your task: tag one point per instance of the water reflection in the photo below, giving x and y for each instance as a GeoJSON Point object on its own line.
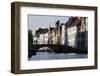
{"type": "Point", "coordinates": [54, 56]}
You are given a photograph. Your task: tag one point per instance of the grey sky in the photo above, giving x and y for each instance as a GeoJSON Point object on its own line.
{"type": "Point", "coordinates": [41, 21]}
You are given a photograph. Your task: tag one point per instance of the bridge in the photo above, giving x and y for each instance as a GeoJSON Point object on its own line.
{"type": "Point", "coordinates": [55, 48]}
{"type": "Point", "coordinates": [51, 46]}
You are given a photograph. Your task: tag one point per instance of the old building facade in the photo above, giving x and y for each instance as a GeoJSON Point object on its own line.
{"type": "Point", "coordinates": [72, 33]}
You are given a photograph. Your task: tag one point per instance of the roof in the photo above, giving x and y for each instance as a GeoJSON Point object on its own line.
{"type": "Point", "coordinates": [51, 29]}
{"type": "Point", "coordinates": [73, 21]}
{"type": "Point", "coordinates": [41, 31]}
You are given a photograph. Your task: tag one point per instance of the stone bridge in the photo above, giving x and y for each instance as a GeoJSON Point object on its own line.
{"type": "Point", "coordinates": [54, 47]}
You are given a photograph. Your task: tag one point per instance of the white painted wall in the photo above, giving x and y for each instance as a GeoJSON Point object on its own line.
{"type": "Point", "coordinates": [72, 32]}
{"type": "Point", "coordinates": [46, 38]}
{"type": "Point", "coordinates": [63, 35]}
{"type": "Point", "coordinates": [5, 33]}
{"type": "Point", "coordinates": [41, 38]}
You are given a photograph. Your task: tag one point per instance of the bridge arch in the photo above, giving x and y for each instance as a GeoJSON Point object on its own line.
{"type": "Point", "coordinates": [46, 49]}
{"type": "Point", "coordinates": [50, 46]}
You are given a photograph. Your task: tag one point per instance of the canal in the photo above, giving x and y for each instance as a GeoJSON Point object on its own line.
{"type": "Point", "coordinates": [55, 56]}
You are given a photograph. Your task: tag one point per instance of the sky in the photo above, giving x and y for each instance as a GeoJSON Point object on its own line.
{"type": "Point", "coordinates": [44, 21]}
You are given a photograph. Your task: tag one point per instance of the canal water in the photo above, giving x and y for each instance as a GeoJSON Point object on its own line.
{"type": "Point", "coordinates": [55, 56]}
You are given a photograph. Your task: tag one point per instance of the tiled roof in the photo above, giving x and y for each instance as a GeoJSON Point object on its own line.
{"type": "Point", "coordinates": [41, 31]}
{"type": "Point", "coordinates": [74, 21]}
